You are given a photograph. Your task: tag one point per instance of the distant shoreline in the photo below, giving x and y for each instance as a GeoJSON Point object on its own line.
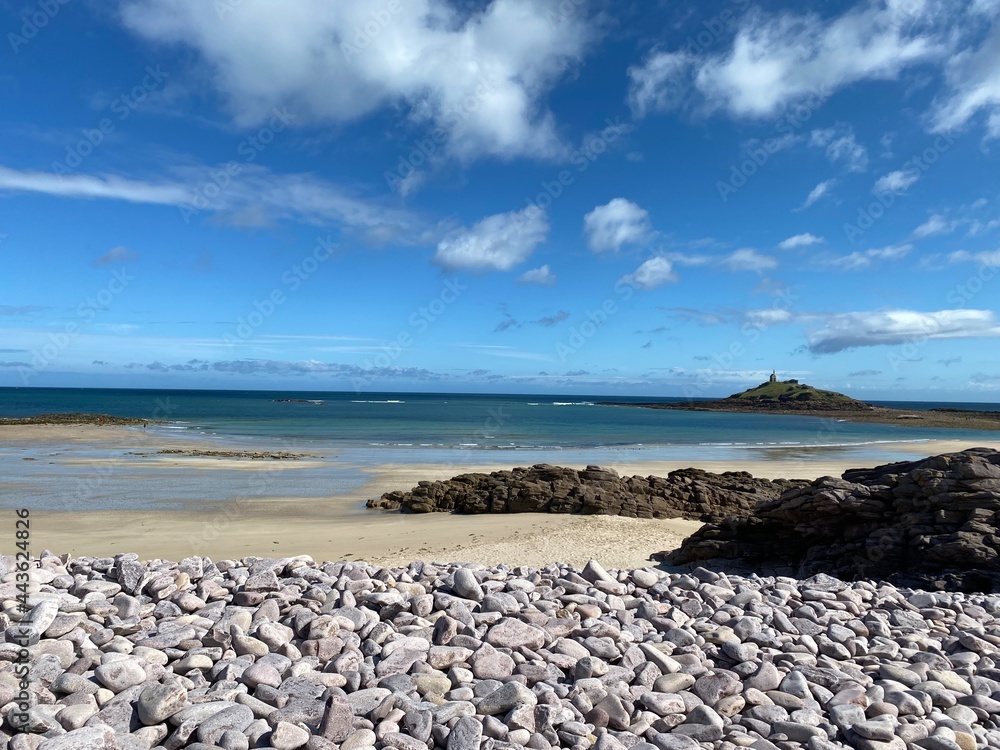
{"type": "Point", "coordinates": [75, 418]}
{"type": "Point", "coordinates": [960, 419]}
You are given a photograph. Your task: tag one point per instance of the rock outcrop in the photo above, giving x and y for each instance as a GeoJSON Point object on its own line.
{"type": "Point", "coordinates": [688, 493]}
{"type": "Point", "coordinates": [75, 418]}
{"type": "Point", "coordinates": [932, 522]}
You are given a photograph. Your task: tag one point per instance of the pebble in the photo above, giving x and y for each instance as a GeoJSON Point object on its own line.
{"type": "Point", "coordinates": [287, 653]}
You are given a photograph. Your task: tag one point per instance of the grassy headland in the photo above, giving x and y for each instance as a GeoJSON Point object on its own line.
{"type": "Point", "coordinates": [790, 397]}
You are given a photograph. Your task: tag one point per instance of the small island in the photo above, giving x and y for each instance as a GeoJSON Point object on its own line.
{"type": "Point", "coordinates": [790, 397]}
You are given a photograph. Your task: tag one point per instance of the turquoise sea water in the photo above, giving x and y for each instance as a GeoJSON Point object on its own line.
{"type": "Point", "coordinates": [353, 431]}
{"type": "Point", "coordinates": [384, 422]}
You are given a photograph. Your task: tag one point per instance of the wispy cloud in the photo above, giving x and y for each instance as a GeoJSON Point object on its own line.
{"type": "Point", "coordinates": [896, 327]}
{"type": "Point", "coordinates": [748, 259]}
{"type": "Point", "coordinates": [800, 240]}
{"type": "Point", "coordinates": [778, 58]}
{"type": "Point", "coordinates": [897, 182]}
{"type": "Point", "coordinates": [119, 254]}
{"type": "Point", "coordinates": [300, 197]}
{"type": "Point", "coordinates": [936, 224]}
{"type": "Point", "coordinates": [841, 147]}
{"type": "Point", "coordinates": [506, 352]}
{"type": "Point", "coordinates": [818, 192]}
{"type": "Point", "coordinates": [863, 259]}
{"type": "Point", "coordinates": [744, 259]}
{"type": "Point", "coordinates": [20, 309]}
{"type": "Point", "coordinates": [550, 320]}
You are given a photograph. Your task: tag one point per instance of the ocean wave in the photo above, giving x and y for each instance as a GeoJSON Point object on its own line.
{"type": "Point", "coordinates": [793, 444]}
{"type": "Point", "coordinates": [390, 401]}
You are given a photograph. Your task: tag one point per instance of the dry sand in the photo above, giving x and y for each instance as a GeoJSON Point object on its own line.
{"type": "Point", "coordinates": [338, 527]}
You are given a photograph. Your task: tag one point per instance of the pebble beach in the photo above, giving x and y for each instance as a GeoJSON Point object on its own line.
{"type": "Point", "coordinates": [290, 653]}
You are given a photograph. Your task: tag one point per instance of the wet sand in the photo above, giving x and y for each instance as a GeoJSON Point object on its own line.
{"type": "Point", "coordinates": [339, 527]}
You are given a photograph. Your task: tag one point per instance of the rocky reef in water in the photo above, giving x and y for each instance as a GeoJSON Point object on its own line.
{"type": "Point", "coordinates": [932, 523]}
{"type": "Point", "coordinates": [75, 418]}
{"type": "Point", "coordinates": [687, 493]}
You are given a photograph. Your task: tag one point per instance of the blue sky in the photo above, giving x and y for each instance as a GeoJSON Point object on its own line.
{"type": "Point", "coordinates": [509, 196]}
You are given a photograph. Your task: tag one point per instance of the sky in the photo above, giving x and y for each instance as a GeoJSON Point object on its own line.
{"type": "Point", "coordinates": [564, 196]}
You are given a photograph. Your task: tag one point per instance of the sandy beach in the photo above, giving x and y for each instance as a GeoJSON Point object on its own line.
{"type": "Point", "coordinates": [338, 526]}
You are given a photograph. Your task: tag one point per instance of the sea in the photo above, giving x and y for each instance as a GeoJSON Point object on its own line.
{"type": "Point", "coordinates": [369, 430]}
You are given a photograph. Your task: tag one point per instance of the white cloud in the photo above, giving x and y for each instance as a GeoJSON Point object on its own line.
{"type": "Point", "coordinates": [894, 327]}
{"type": "Point", "coordinates": [683, 259]}
{"type": "Point", "coordinates": [660, 83]}
{"type": "Point", "coordinates": [654, 273]}
{"type": "Point", "coordinates": [853, 262]}
{"type": "Point", "coordinates": [768, 317]}
{"type": "Point", "coordinates": [936, 224]}
{"type": "Point", "coordinates": [818, 192]}
{"type": "Point", "coordinates": [748, 259]}
{"type": "Point", "coordinates": [841, 147]}
{"type": "Point", "coordinates": [542, 276]}
{"type": "Point", "coordinates": [196, 193]}
{"type": "Point", "coordinates": [93, 186]}
{"type": "Point", "coordinates": [896, 182]}
{"type": "Point", "coordinates": [974, 77]}
{"type": "Point", "coordinates": [778, 59]}
{"type": "Point", "coordinates": [497, 243]}
{"type": "Point", "coordinates": [858, 260]}
{"type": "Point", "coordinates": [744, 259]}
{"type": "Point", "coordinates": [800, 240]}
{"type": "Point", "coordinates": [989, 258]}
{"type": "Point", "coordinates": [891, 252]}
{"type": "Point", "coordinates": [479, 74]}
{"type": "Point", "coordinates": [616, 223]}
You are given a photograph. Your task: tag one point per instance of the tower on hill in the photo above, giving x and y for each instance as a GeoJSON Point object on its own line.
{"type": "Point", "coordinates": [774, 377]}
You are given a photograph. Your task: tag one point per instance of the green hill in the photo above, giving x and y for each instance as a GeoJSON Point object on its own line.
{"type": "Point", "coordinates": [794, 392]}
